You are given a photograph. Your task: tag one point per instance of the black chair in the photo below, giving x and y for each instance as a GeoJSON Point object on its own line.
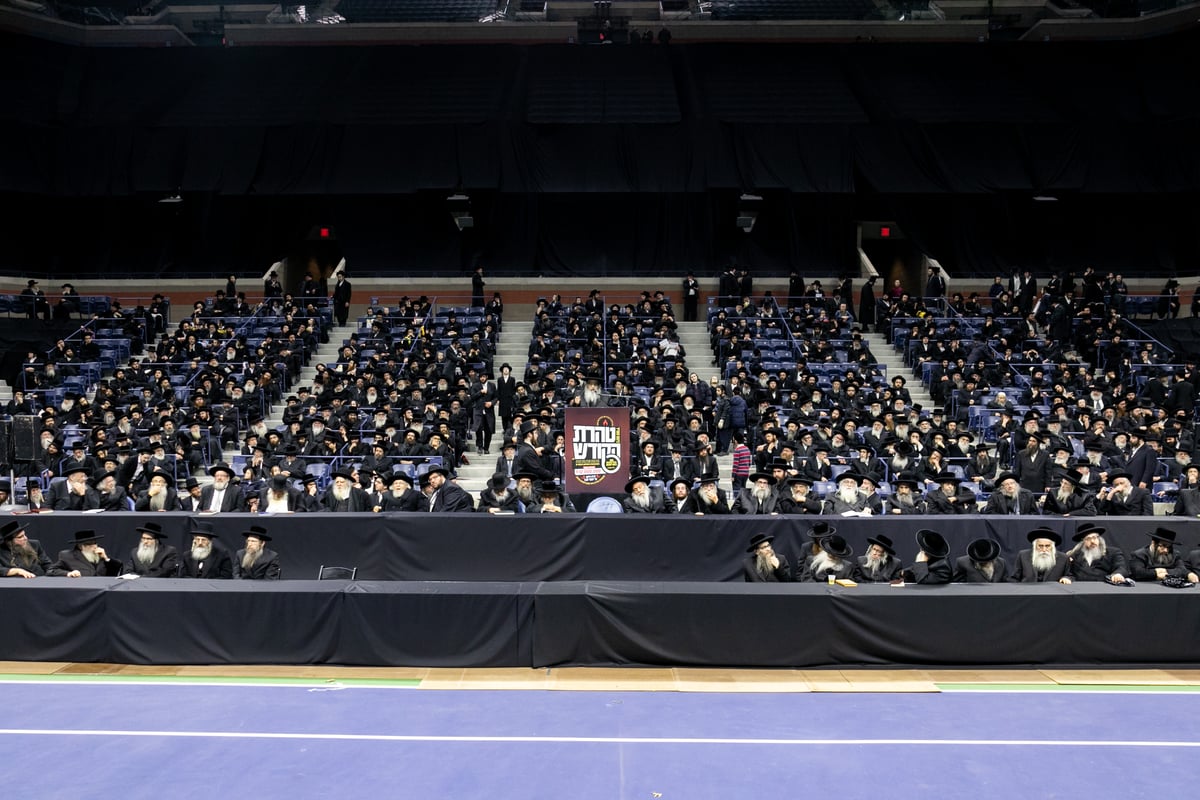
{"type": "Point", "coordinates": [336, 573]}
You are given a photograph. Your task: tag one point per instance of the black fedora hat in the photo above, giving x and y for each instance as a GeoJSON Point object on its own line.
{"type": "Point", "coordinates": [634, 481]}
{"type": "Point", "coordinates": [982, 550]}
{"type": "Point", "coordinates": [152, 528]}
{"type": "Point", "coordinates": [798, 479]}
{"type": "Point", "coordinates": [85, 537]}
{"type": "Point", "coordinates": [11, 529]}
{"type": "Point", "coordinates": [1163, 535]}
{"type": "Point", "coordinates": [709, 477]}
{"type": "Point", "coordinates": [279, 482]}
{"type": "Point", "coordinates": [820, 530]}
{"type": "Point", "coordinates": [1044, 533]}
{"type": "Point", "coordinates": [758, 539]}
{"type": "Point", "coordinates": [445, 473]}
{"type": "Point", "coordinates": [932, 543]}
{"type": "Point", "coordinates": [1003, 476]}
{"type": "Point", "coordinates": [1085, 530]}
{"type": "Point", "coordinates": [524, 475]}
{"type": "Point", "coordinates": [947, 477]}
{"type": "Point", "coordinates": [837, 546]}
{"type": "Point", "coordinates": [761, 476]}
{"type": "Point", "coordinates": [342, 473]}
{"type": "Point", "coordinates": [221, 466]}
{"type": "Point", "coordinates": [677, 481]}
{"type": "Point", "coordinates": [204, 529]}
{"type": "Point", "coordinates": [906, 478]}
{"type": "Point", "coordinates": [258, 532]}
{"type": "Point", "coordinates": [884, 542]}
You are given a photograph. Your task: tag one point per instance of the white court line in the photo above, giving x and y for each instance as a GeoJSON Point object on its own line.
{"type": "Point", "coordinates": [370, 737]}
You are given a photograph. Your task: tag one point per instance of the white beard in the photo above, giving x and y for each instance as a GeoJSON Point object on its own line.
{"type": "Point", "coordinates": [1043, 562]}
{"type": "Point", "coordinates": [1064, 496]}
{"type": "Point", "coordinates": [91, 556]}
{"type": "Point", "coordinates": [249, 558]}
{"type": "Point", "coordinates": [340, 494]}
{"type": "Point", "coordinates": [875, 564]}
{"type": "Point", "coordinates": [591, 396]}
{"type": "Point", "coordinates": [987, 568]}
{"type": "Point", "coordinates": [201, 553]}
{"type": "Point", "coordinates": [1091, 554]}
{"type": "Point", "coordinates": [146, 553]}
{"type": "Point", "coordinates": [823, 561]}
{"type": "Point", "coordinates": [761, 495]}
{"type": "Point", "coordinates": [641, 500]}
{"type": "Point", "coordinates": [848, 496]}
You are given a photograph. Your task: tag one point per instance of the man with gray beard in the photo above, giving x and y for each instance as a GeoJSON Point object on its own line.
{"type": "Point", "coordinates": [160, 495]}
{"type": "Point", "coordinates": [981, 564]}
{"type": "Point", "coordinates": [255, 561]}
{"type": "Point", "coordinates": [85, 559]}
{"type": "Point", "coordinates": [207, 558]}
{"type": "Point", "coordinates": [847, 500]}
{"type": "Point", "coordinates": [764, 565]}
{"type": "Point", "coordinates": [835, 558]}
{"type": "Point", "coordinates": [904, 499]}
{"type": "Point", "coordinates": [152, 558]}
{"type": "Point", "coordinates": [1043, 563]}
{"type": "Point", "coordinates": [20, 556]}
{"type": "Point", "coordinates": [799, 497]}
{"type": "Point", "coordinates": [1158, 560]}
{"type": "Point", "coordinates": [497, 498]}
{"type": "Point", "coordinates": [1092, 559]}
{"type": "Point", "coordinates": [707, 498]}
{"type": "Point", "coordinates": [880, 564]}
{"type": "Point", "coordinates": [1068, 499]}
{"type": "Point", "coordinates": [644, 498]}
{"type": "Point", "coordinates": [343, 496]}
{"type": "Point", "coordinates": [524, 490]}
{"type": "Point", "coordinates": [591, 397]}
{"type": "Point", "coordinates": [758, 497]}
{"type": "Point", "coordinates": [1009, 498]}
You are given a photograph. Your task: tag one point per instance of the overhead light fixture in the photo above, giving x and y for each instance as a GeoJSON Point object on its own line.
{"type": "Point", "coordinates": [172, 198]}
{"type": "Point", "coordinates": [1045, 198]}
{"type": "Point", "coordinates": [748, 205]}
{"type": "Point", "coordinates": [460, 211]}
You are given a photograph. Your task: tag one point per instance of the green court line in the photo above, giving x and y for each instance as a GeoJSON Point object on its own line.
{"type": "Point", "coordinates": [209, 679]}
{"type": "Point", "coordinates": [1063, 687]}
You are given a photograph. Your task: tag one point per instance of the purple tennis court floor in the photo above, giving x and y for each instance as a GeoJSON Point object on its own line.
{"type": "Point", "coordinates": [183, 741]}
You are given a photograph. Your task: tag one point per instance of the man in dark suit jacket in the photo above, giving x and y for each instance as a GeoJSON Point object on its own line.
{"type": "Point", "coordinates": [152, 558]}
{"type": "Point", "coordinates": [1093, 559]}
{"type": "Point", "coordinates": [758, 497]}
{"type": "Point", "coordinates": [86, 559]}
{"type": "Point", "coordinates": [931, 566]}
{"type": "Point", "coordinates": [645, 499]}
{"type": "Point", "coordinates": [1010, 498]}
{"type": "Point", "coordinates": [401, 496]}
{"type": "Point", "coordinates": [1043, 563]}
{"type": "Point", "coordinates": [279, 496]}
{"type": "Point", "coordinates": [207, 558]}
{"type": "Point", "coordinates": [1123, 499]}
{"type": "Point", "coordinates": [221, 495]}
{"type": "Point", "coordinates": [981, 564]}
{"type": "Point", "coordinates": [75, 494]}
{"type": "Point", "coordinates": [446, 496]}
{"type": "Point", "coordinates": [1032, 464]}
{"type": "Point", "coordinates": [160, 495]}
{"type": "Point", "coordinates": [255, 561]}
{"type": "Point", "coordinates": [20, 556]}
{"type": "Point", "coordinates": [341, 298]}
{"type": "Point", "coordinates": [343, 496]}
{"type": "Point", "coordinates": [764, 565]}
{"type": "Point", "coordinates": [1143, 460]}
{"type": "Point", "coordinates": [190, 499]}
{"type": "Point", "coordinates": [112, 497]}
{"type": "Point", "coordinates": [880, 564]}
{"type": "Point", "coordinates": [1068, 499]}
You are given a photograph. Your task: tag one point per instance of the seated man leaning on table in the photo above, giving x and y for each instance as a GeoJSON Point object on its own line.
{"type": "Point", "coordinates": [20, 556]}
{"type": "Point", "coordinates": [85, 559]}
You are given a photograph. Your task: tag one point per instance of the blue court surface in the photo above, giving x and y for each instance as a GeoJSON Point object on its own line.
{"type": "Point", "coordinates": [82, 740]}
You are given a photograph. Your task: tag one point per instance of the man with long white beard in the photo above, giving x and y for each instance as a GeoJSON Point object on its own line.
{"type": "Point", "coordinates": [836, 558]}
{"type": "Point", "coordinates": [1068, 499]}
{"type": "Point", "coordinates": [85, 559]}
{"type": "Point", "coordinates": [20, 556]}
{"type": "Point", "coordinates": [758, 497]}
{"type": "Point", "coordinates": [400, 494]}
{"type": "Point", "coordinates": [112, 497]}
{"type": "Point", "coordinates": [1123, 499]}
{"type": "Point", "coordinates": [255, 561]}
{"type": "Point", "coordinates": [35, 497]}
{"type": "Point", "coordinates": [1009, 498]}
{"type": "Point", "coordinates": [764, 565]}
{"type": "Point", "coordinates": [207, 558]}
{"type": "Point", "coordinates": [1093, 559]}
{"type": "Point", "coordinates": [880, 564]}
{"type": "Point", "coordinates": [644, 498]}
{"type": "Point", "coordinates": [151, 558]}
{"type": "Point", "coordinates": [708, 497]}
{"type": "Point", "coordinates": [497, 498]}
{"type": "Point", "coordinates": [1158, 560]}
{"type": "Point", "coordinates": [76, 495]}
{"type": "Point", "coordinates": [160, 495]}
{"type": "Point", "coordinates": [981, 564]}
{"type": "Point", "coordinates": [1043, 563]}
{"type": "Point", "coordinates": [343, 496]}
{"type": "Point", "coordinates": [550, 500]}
{"type": "Point", "coordinates": [800, 498]}
{"type": "Point", "coordinates": [591, 397]}
{"type": "Point", "coordinates": [847, 500]}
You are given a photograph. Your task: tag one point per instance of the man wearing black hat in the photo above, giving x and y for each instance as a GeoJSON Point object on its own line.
{"type": "Point", "coordinates": [904, 499]}
{"type": "Point", "coordinates": [343, 496]}
{"type": "Point", "coordinates": [1010, 498]}
{"type": "Point", "coordinates": [550, 499]}
{"type": "Point", "coordinates": [220, 496]}
{"type": "Point", "coordinates": [931, 566]}
{"type": "Point", "coordinates": [707, 498]}
{"type": "Point", "coordinates": [20, 556]}
{"type": "Point", "coordinates": [1068, 499]}
{"type": "Point", "coordinates": [278, 496]}
{"type": "Point", "coordinates": [1093, 559]}
{"type": "Point", "coordinates": [981, 564]}
{"type": "Point", "coordinates": [1042, 563]}
{"type": "Point", "coordinates": [207, 558]}
{"type": "Point", "coordinates": [945, 497]}
{"type": "Point", "coordinates": [847, 500]}
{"type": "Point", "coordinates": [758, 497]}
{"type": "Point", "coordinates": [645, 499]}
{"type": "Point", "coordinates": [1158, 560]}
{"type": "Point", "coordinates": [255, 561]}
{"type": "Point", "coordinates": [497, 498]}
{"type": "Point", "coordinates": [400, 494]}
{"type": "Point", "coordinates": [112, 497]}
{"type": "Point", "coordinates": [447, 496]}
{"type": "Point", "coordinates": [190, 499]}
{"type": "Point", "coordinates": [835, 558]}
{"type": "Point", "coordinates": [1143, 460]}
{"type": "Point", "coordinates": [85, 559]}
{"type": "Point", "coordinates": [1123, 499]}
{"type": "Point", "coordinates": [880, 564]}
{"type": "Point", "coordinates": [529, 453]}
{"type": "Point", "coordinates": [1032, 465]}
{"type": "Point", "coordinates": [798, 497]}
{"type": "Point", "coordinates": [35, 301]}
{"type": "Point", "coordinates": [152, 558]}
{"type": "Point", "coordinates": [311, 500]}
{"type": "Point", "coordinates": [75, 494]}
{"type": "Point", "coordinates": [291, 462]}
{"type": "Point", "coordinates": [160, 495]}
{"type": "Point", "coordinates": [6, 498]}
{"type": "Point", "coordinates": [764, 565]}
